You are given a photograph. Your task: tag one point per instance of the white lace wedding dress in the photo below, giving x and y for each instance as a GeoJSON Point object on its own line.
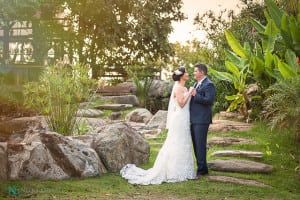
{"type": "Point", "coordinates": [174, 162]}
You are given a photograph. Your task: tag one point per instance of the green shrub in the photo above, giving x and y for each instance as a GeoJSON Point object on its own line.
{"type": "Point", "coordinates": [282, 105]}
{"type": "Point", "coordinates": [142, 77]}
{"type": "Point", "coordinates": [58, 93]}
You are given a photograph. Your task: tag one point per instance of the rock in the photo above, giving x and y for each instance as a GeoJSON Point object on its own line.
{"type": "Point", "coordinates": [223, 115]}
{"type": "Point", "coordinates": [251, 154]}
{"type": "Point", "coordinates": [4, 137]}
{"type": "Point", "coordinates": [158, 121]}
{"type": "Point", "coordinates": [125, 88]}
{"type": "Point", "coordinates": [124, 99]}
{"type": "Point", "coordinates": [118, 144]}
{"type": "Point", "coordinates": [38, 165]}
{"type": "Point", "coordinates": [135, 125]}
{"type": "Point", "coordinates": [227, 125]}
{"type": "Point", "coordinates": [92, 113]}
{"type": "Point", "coordinates": [92, 122]}
{"type": "Point", "coordinates": [115, 115]}
{"type": "Point", "coordinates": [48, 155]}
{"type": "Point", "coordinates": [160, 88]}
{"type": "Point", "coordinates": [227, 179]}
{"type": "Point", "coordinates": [226, 141]}
{"type": "Point", "coordinates": [78, 160]}
{"type": "Point", "coordinates": [87, 139]}
{"type": "Point", "coordinates": [141, 115]}
{"type": "Point", "coordinates": [3, 163]}
{"type": "Point", "coordinates": [84, 105]}
{"type": "Point", "coordinates": [116, 107]}
{"type": "Point", "coordinates": [242, 166]}
{"type": "Point", "coordinates": [18, 125]}
{"type": "Point", "coordinates": [150, 133]}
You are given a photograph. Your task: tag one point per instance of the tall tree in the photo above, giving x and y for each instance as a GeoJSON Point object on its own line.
{"type": "Point", "coordinates": [103, 33]}
{"type": "Point", "coordinates": [118, 33]}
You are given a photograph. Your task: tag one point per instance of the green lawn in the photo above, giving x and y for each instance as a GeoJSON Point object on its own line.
{"type": "Point", "coordinates": [283, 153]}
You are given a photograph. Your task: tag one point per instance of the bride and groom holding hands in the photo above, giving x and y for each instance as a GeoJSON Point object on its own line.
{"type": "Point", "coordinates": [188, 119]}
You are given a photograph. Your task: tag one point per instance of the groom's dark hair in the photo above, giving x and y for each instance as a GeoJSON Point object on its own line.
{"type": "Point", "coordinates": [202, 67]}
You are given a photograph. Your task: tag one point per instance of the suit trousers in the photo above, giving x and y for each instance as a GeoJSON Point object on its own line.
{"type": "Point", "coordinates": [199, 137]}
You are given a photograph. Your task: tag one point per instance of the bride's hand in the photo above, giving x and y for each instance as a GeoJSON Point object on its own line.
{"type": "Point", "coordinates": [192, 91]}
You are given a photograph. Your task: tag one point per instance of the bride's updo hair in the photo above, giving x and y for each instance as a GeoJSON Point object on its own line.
{"type": "Point", "coordinates": [178, 73]}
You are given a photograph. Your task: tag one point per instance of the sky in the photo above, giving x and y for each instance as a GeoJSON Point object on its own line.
{"type": "Point", "coordinates": [185, 30]}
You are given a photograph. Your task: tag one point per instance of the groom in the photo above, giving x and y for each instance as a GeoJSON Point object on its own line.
{"type": "Point", "coordinates": [201, 115]}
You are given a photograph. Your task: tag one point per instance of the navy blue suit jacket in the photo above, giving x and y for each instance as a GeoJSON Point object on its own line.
{"type": "Point", "coordinates": [201, 104]}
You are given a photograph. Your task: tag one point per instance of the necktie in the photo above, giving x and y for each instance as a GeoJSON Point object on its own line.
{"type": "Point", "coordinates": [195, 85]}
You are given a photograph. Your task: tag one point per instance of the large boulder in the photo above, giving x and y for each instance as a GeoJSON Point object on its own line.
{"type": "Point", "coordinates": [37, 153]}
{"type": "Point", "coordinates": [33, 161]}
{"type": "Point", "coordinates": [118, 144]}
{"type": "Point", "coordinates": [140, 115]}
{"type": "Point", "coordinates": [48, 155]}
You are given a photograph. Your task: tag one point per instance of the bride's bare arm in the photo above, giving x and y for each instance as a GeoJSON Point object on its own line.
{"type": "Point", "coordinates": [182, 95]}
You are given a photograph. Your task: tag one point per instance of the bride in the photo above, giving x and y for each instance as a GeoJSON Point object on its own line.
{"type": "Point", "coordinates": [174, 162]}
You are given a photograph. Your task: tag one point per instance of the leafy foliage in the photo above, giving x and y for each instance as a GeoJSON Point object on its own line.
{"type": "Point", "coordinates": [264, 62]}
{"type": "Point", "coordinates": [288, 25]}
{"type": "Point", "coordinates": [108, 35]}
{"type": "Point", "coordinates": [115, 34]}
{"type": "Point", "coordinates": [189, 54]}
{"type": "Point", "coordinates": [282, 105]}
{"type": "Point", "coordinates": [142, 76]}
{"type": "Point", "coordinates": [58, 93]}
{"type": "Point", "coordinates": [215, 25]}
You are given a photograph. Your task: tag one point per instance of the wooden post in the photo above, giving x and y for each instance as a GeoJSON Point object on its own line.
{"type": "Point", "coordinates": [6, 44]}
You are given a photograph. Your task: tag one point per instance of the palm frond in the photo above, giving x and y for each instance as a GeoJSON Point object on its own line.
{"type": "Point", "coordinates": [282, 105]}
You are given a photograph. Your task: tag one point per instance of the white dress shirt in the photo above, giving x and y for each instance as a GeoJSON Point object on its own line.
{"type": "Point", "coordinates": [200, 82]}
